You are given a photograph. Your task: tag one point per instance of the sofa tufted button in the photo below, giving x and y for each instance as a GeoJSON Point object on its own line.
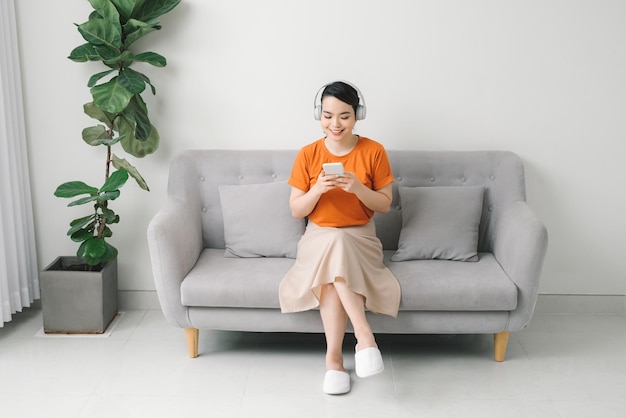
{"type": "Point", "coordinates": [398, 207]}
{"type": "Point", "coordinates": [240, 177]}
{"type": "Point", "coordinates": [463, 179]}
{"type": "Point", "coordinates": [490, 208]}
{"type": "Point", "coordinates": [432, 179]}
{"type": "Point", "coordinates": [492, 177]}
{"type": "Point", "coordinates": [274, 176]}
{"type": "Point", "coordinates": [202, 178]}
{"type": "Point", "coordinates": [399, 178]}
{"type": "Point", "coordinates": [203, 209]}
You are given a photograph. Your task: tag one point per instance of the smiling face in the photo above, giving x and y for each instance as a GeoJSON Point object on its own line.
{"type": "Point", "coordinates": [338, 119]}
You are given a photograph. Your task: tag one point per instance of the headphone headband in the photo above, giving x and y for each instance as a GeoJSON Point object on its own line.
{"type": "Point", "coordinates": [361, 110]}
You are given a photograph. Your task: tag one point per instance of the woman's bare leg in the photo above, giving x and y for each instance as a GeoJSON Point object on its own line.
{"type": "Point", "coordinates": [335, 320]}
{"type": "Point", "coordinates": [354, 306]}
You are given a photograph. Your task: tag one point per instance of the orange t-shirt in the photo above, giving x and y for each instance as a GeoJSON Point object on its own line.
{"type": "Point", "coordinates": [369, 163]}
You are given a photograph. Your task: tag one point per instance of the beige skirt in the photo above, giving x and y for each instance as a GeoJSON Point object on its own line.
{"type": "Point", "coordinates": [353, 254]}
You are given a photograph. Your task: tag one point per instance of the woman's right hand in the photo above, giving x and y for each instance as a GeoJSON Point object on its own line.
{"type": "Point", "coordinates": [302, 203]}
{"type": "Point", "coordinates": [325, 182]}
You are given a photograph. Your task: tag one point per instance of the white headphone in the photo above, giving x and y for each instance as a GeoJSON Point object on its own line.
{"type": "Point", "coordinates": [361, 110]}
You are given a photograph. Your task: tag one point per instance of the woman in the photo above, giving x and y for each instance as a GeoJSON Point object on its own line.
{"type": "Point", "coordinates": [339, 266]}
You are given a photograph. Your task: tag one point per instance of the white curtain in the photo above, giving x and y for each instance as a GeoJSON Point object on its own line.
{"type": "Point", "coordinates": [19, 277]}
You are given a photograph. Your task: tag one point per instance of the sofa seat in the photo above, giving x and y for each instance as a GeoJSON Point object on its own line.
{"type": "Point", "coordinates": [427, 285]}
{"type": "Point", "coordinates": [252, 282]}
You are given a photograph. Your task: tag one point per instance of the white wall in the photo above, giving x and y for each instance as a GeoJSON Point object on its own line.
{"type": "Point", "coordinates": [543, 78]}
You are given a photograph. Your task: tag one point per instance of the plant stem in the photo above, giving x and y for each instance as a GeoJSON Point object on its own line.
{"type": "Point", "coordinates": [103, 221]}
{"type": "Point", "coordinates": [108, 163]}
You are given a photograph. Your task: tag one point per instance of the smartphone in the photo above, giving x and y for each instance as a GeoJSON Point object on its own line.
{"type": "Point", "coordinates": [333, 168]}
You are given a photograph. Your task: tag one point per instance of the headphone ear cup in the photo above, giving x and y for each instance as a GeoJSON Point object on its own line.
{"type": "Point", "coordinates": [360, 112]}
{"type": "Point", "coordinates": [317, 112]}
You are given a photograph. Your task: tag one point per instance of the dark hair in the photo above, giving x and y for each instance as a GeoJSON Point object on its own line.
{"type": "Point", "coordinates": [342, 91]}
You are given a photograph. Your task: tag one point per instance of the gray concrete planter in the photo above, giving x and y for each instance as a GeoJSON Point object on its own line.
{"type": "Point", "coordinates": [78, 302]}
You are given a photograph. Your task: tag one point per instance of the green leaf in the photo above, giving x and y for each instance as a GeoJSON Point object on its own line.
{"type": "Point", "coordinates": [83, 53]}
{"type": "Point", "coordinates": [94, 78]}
{"type": "Point", "coordinates": [132, 171]}
{"type": "Point", "coordinates": [111, 97]}
{"type": "Point", "coordinates": [74, 188]}
{"type": "Point", "coordinates": [132, 81]}
{"type": "Point", "coordinates": [101, 32]}
{"type": "Point", "coordinates": [107, 53]}
{"type": "Point", "coordinates": [101, 197]}
{"type": "Point", "coordinates": [132, 145]}
{"type": "Point", "coordinates": [146, 80]}
{"type": "Point", "coordinates": [89, 228]}
{"type": "Point", "coordinates": [107, 142]}
{"type": "Point", "coordinates": [123, 60]}
{"type": "Point", "coordinates": [81, 223]}
{"type": "Point", "coordinates": [153, 9]}
{"type": "Point", "coordinates": [137, 111]}
{"type": "Point", "coordinates": [95, 112]}
{"type": "Point", "coordinates": [80, 235]}
{"type": "Point", "coordinates": [136, 29]}
{"type": "Point", "coordinates": [152, 58]}
{"type": "Point", "coordinates": [111, 252]}
{"type": "Point", "coordinates": [132, 25]}
{"type": "Point", "coordinates": [107, 11]}
{"type": "Point", "coordinates": [81, 250]}
{"type": "Point", "coordinates": [91, 250]}
{"type": "Point", "coordinates": [125, 8]}
{"type": "Point", "coordinates": [95, 248]}
{"type": "Point", "coordinates": [112, 195]}
{"type": "Point", "coordinates": [94, 135]}
{"type": "Point", "coordinates": [83, 200]}
{"type": "Point", "coordinates": [110, 216]}
{"type": "Point", "coordinates": [115, 181]}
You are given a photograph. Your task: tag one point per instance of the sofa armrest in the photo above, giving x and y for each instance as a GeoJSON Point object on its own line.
{"type": "Point", "coordinates": [175, 243]}
{"type": "Point", "coordinates": [520, 246]}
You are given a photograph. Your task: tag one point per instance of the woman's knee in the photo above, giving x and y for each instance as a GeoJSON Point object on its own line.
{"type": "Point", "coordinates": [329, 294]}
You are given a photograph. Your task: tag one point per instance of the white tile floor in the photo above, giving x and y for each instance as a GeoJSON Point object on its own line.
{"type": "Point", "coordinates": [561, 366]}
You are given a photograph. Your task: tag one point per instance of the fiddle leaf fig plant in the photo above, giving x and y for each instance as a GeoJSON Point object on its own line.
{"type": "Point", "coordinates": [112, 27]}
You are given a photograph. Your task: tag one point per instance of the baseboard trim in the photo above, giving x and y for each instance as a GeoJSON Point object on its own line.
{"type": "Point", "coordinates": [589, 304]}
{"type": "Point", "coordinates": [138, 299]}
{"type": "Point", "coordinates": [554, 304]}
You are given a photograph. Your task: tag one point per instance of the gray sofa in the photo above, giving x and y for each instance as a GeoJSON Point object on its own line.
{"type": "Point", "coordinates": [200, 288]}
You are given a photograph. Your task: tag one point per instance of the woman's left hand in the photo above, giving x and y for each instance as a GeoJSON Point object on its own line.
{"type": "Point", "coordinates": [376, 200]}
{"type": "Point", "coordinates": [348, 182]}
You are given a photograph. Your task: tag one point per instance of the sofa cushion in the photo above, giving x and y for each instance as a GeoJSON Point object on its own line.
{"type": "Point", "coordinates": [216, 280]}
{"type": "Point", "coordinates": [428, 285]}
{"type": "Point", "coordinates": [439, 223]}
{"type": "Point", "coordinates": [442, 285]}
{"type": "Point", "coordinates": [258, 221]}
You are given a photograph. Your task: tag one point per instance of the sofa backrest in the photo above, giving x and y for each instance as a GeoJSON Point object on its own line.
{"type": "Point", "coordinates": [196, 174]}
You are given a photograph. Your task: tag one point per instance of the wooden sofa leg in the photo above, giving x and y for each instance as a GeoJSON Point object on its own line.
{"type": "Point", "coordinates": [500, 341]}
{"type": "Point", "coordinates": [191, 334]}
